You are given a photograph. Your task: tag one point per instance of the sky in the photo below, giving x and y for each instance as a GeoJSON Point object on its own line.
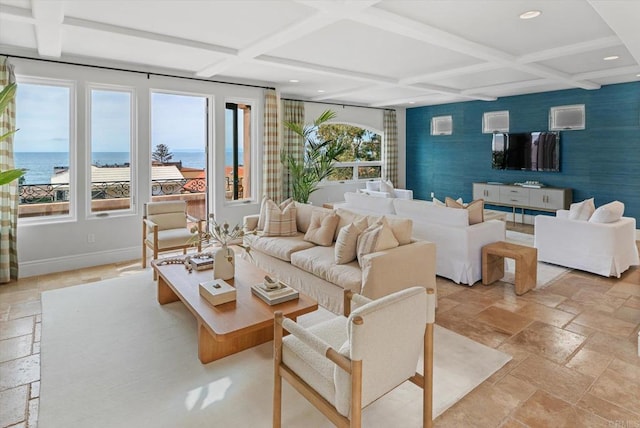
{"type": "Point", "coordinates": [42, 116]}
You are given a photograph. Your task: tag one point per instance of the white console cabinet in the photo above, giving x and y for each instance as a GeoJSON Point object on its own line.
{"type": "Point", "coordinates": [509, 195]}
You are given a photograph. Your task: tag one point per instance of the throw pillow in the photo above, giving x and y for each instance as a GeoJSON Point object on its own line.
{"type": "Point", "coordinates": [608, 213]}
{"type": "Point", "coordinates": [263, 211]}
{"type": "Point", "coordinates": [475, 209]}
{"type": "Point", "coordinates": [582, 210]}
{"type": "Point", "coordinates": [347, 242]}
{"type": "Point", "coordinates": [401, 227]}
{"type": "Point", "coordinates": [321, 228]}
{"type": "Point", "coordinates": [387, 186]}
{"type": "Point", "coordinates": [376, 237]}
{"type": "Point", "coordinates": [280, 221]}
{"type": "Point", "coordinates": [437, 202]}
{"type": "Point", "coordinates": [373, 185]}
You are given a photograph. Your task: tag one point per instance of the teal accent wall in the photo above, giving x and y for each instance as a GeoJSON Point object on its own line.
{"type": "Point", "coordinates": [602, 161]}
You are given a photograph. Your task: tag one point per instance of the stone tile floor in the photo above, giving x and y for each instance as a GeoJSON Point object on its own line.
{"type": "Point", "coordinates": [574, 347]}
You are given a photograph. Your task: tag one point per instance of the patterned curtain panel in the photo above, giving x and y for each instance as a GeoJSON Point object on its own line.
{"type": "Point", "coordinates": [292, 111]}
{"type": "Point", "coordinates": [272, 168]}
{"type": "Point", "coordinates": [8, 192]}
{"type": "Point", "coordinates": [390, 147]}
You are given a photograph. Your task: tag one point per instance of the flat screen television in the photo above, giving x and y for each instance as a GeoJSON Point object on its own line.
{"type": "Point", "coordinates": [526, 151]}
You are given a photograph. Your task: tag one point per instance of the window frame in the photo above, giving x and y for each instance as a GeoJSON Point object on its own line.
{"type": "Point", "coordinates": [133, 152]}
{"type": "Point", "coordinates": [356, 164]}
{"type": "Point", "coordinates": [71, 85]}
{"type": "Point", "coordinates": [253, 158]}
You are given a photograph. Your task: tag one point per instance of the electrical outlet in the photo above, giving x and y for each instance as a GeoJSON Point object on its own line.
{"type": "Point", "coordinates": [91, 238]}
{"type": "Point", "coordinates": [433, 195]}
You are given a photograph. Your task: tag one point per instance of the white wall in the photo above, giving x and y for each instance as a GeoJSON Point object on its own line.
{"type": "Point", "coordinates": [46, 247]}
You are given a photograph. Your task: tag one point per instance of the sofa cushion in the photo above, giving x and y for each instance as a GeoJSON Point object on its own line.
{"type": "Point", "coordinates": [346, 217]}
{"type": "Point", "coordinates": [475, 209]}
{"type": "Point", "coordinates": [376, 237]}
{"type": "Point", "coordinates": [347, 241]}
{"type": "Point", "coordinates": [320, 262]}
{"type": "Point", "coordinates": [401, 227]}
{"type": "Point", "coordinates": [369, 203]}
{"type": "Point", "coordinates": [280, 221]}
{"type": "Point", "coordinates": [429, 212]}
{"type": "Point", "coordinates": [263, 210]}
{"type": "Point", "coordinates": [387, 186]}
{"type": "Point", "coordinates": [582, 210]}
{"type": "Point", "coordinates": [608, 213]}
{"type": "Point", "coordinates": [373, 185]}
{"type": "Point", "coordinates": [322, 227]}
{"type": "Point", "coordinates": [280, 247]}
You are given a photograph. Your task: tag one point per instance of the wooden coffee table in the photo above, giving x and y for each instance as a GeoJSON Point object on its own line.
{"type": "Point", "coordinates": [231, 327]}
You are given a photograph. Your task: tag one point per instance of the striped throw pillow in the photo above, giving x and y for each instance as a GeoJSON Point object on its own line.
{"type": "Point", "coordinates": [279, 221]}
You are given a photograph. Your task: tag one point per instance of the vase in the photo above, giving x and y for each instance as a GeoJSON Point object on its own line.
{"type": "Point", "coordinates": [224, 263]}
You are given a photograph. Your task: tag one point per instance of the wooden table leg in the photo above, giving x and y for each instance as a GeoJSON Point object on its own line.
{"type": "Point", "coordinates": [211, 349]}
{"type": "Point", "coordinates": [492, 268]}
{"type": "Point", "coordinates": [165, 293]}
{"type": "Point", "coordinates": [526, 273]}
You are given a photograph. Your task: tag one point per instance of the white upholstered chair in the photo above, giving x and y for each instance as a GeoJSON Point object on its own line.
{"type": "Point", "coordinates": [346, 363]}
{"type": "Point", "coordinates": [165, 228]}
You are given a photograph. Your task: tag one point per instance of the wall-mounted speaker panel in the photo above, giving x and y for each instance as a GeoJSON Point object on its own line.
{"type": "Point", "coordinates": [565, 118]}
{"type": "Point", "coordinates": [495, 121]}
{"type": "Point", "coordinates": [441, 125]}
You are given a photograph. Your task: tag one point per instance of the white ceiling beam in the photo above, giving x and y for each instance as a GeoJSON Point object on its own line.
{"type": "Point", "coordinates": [17, 14]}
{"type": "Point", "coordinates": [406, 27]}
{"type": "Point", "coordinates": [459, 71]}
{"type": "Point", "coordinates": [48, 17]}
{"type": "Point", "coordinates": [345, 93]}
{"type": "Point", "coordinates": [508, 86]}
{"type": "Point", "coordinates": [576, 48]}
{"type": "Point", "coordinates": [146, 35]}
{"type": "Point", "coordinates": [610, 72]}
{"type": "Point", "coordinates": [417, 100]}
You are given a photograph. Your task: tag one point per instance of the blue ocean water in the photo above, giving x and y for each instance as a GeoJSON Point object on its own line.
{"type": "Point", "coordinates": [40, 166]}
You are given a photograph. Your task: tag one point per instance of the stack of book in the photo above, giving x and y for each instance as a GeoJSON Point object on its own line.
{"type": "Point", "coordinates": [273, 296]}
{"type": "Point", "coordinates": [201, 263]}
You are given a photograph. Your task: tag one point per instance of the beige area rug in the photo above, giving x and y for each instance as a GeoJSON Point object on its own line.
{"type": "Point", "coordinates": [547, 272]}
{"type": "Point", "coordinates": [113, 357]}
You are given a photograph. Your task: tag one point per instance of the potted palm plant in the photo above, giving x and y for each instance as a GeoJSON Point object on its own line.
{"type": "Point", "coordinates": [317, 162]}
{"type": "Point", "coordinates": [6, 95]}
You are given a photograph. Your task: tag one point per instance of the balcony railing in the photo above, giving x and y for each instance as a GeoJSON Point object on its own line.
{"type": "Point", "coordinates": [53, 199]}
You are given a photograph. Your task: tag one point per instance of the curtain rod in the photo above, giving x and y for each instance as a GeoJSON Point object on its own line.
{"type": "Point", "coordinates": [337, 104]}
{"type": "Point", "coordinates": [148, 73]}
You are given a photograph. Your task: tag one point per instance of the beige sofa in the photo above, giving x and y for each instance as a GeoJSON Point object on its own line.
{"type": "Point", "coordinates": [312, 269]}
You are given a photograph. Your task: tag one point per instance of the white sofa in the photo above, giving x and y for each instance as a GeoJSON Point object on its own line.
{"type": "Point", "coordinates": [458, 244]}
{"type": "Point", "coordinates": [312, 268]}
{"type": "Point", "coordinates": [376, 189]}
{"type": "Point", "coordinates": [606, 249]}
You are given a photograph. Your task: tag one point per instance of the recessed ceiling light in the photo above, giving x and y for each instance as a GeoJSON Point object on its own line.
{"type": "Point", "coordinates": [610, 58]}
{"type": "Point", "coordinates": [320, 90]}
{"type": "Point", "coordinates": [294, 80]}
{"type": "Point", "coordinates": [412, 102]}
{"type": "Point", "coordinates": [638, 75]}
{"type": "Point", "coordinates": [530, 14]}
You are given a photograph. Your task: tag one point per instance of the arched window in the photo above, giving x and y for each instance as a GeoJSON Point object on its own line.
{"type": "Point", "coordinates": [363, 160]}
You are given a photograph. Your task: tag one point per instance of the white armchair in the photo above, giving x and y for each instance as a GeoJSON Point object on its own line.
{"type": "Point", "coordinates": [384, 189]}
{"type": "Point", "coordinates": [346, 363]}
{"type": "Point", "coordinates": [606, 249]}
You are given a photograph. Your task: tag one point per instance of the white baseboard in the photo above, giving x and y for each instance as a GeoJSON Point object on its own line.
{"type": "Point", "coordinates": [78, 261]}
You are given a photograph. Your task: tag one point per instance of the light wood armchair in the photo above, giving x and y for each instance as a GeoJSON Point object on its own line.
{"type": "Point", "coordinates": [165, 228]}
{"type": "Point", "coordinates": [378, 349]}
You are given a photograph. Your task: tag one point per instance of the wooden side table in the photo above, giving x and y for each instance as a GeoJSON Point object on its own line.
{"type": "Point", "coordinates": [526, 264]}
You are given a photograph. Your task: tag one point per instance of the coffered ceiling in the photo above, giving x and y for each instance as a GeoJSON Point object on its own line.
{"type": "Point", "coordinates": [384, 53]}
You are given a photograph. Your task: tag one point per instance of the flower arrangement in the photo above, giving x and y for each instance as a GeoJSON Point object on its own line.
{"type": "Point", "coordinates": [222, 234]}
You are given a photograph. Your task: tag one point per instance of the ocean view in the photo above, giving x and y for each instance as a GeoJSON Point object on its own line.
{"type": "Point", "coordinates": [40, 165]}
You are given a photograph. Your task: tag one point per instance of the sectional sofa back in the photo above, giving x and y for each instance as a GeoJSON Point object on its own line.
{"type": "Point", "coordinates": [425, 211]}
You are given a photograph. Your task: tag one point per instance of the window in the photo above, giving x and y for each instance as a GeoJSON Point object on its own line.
{"type": "Point", "coordinates": [179, 141]}
{"type": "Point", "coordinates": [44, 147]}
{"type": "Point", "coordinates": [237, 151]}
{"type": "Point", "coordinates": [111, 136]}
{"type": "Point", "coordinates": [363, 160]}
